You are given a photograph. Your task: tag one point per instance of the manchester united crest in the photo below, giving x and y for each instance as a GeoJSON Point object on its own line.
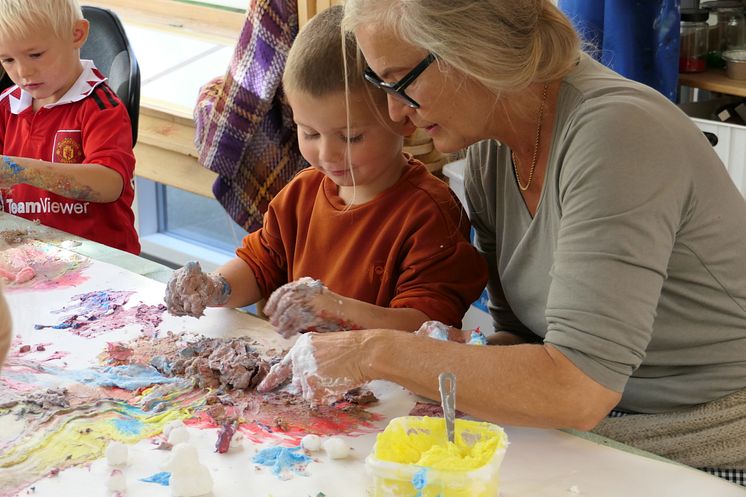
{"type": "Point", "coordinates": [67, 147]}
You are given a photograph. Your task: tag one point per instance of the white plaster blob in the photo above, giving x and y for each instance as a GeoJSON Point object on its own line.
{"type": "Point", "coordinates": [189, 477]}
{"type": "Point", "coordinates": [116, 482]}
{"type": "Point", "coordinates": [116, 454]}
{"type": "Point", "coordinates": [170, 426]}
{"type": "Point", "coordinates": [304, 365]}
{"type": "Point", "coordinates": [311, 442]}
{"type": "Point", "coordinates": [178, 435]}
{"type": "Point", "coordinates": [336, 448]}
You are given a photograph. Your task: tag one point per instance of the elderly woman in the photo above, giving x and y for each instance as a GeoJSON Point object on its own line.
{"type": "Point", "coordinates": [615, 238]}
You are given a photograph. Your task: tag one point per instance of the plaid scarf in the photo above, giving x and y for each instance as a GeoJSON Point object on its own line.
{"type": "Point", "coordinates": [244, 127]}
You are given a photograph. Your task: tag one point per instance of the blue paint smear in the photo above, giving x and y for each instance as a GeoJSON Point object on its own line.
{"type": "Point", "coordinates": [128, 426]}
{"type": "Point", "coordinates": [162, 478]}
{"type": "Point", "coordinates": [61, 326]}
{"type": "Point", "coordinates": [128, 377]}
{"type": "Point", "coordinates": [477, 338]}
{"type": "Point", "coordinates": [282, 459]}
{"type": "Point", "coordinates": [419, 480]}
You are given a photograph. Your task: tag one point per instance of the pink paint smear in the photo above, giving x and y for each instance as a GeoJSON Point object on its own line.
{"type": "Point", "coordinates": [39, 266]}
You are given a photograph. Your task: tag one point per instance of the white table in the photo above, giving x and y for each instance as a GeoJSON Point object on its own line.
{"type": "Point", "coordinates": [538, 462]}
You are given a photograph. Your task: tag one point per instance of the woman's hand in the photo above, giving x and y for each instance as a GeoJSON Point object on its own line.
{"type": "Point", "coordinates": [306, 305]}
{"type": "Point", "coordinates": [190, 291]}
{"type": "Point", "coordinates": [321, 366]}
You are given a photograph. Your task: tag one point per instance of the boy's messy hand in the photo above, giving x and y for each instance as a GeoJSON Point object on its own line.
{"type": "Point", "coordinates": [306, 305]}
{"type": "Point", "coordinates": [190, 291]}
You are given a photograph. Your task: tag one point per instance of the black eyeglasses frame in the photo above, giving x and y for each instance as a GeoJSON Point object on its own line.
{"type": "Point", "coordinates": [397, 89]}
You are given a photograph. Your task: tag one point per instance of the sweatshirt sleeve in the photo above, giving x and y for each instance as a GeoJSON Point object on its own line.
{"type": "Point", "coordinates": [263, 250]}
{"type": "Point", "coordinates": [441, 273]}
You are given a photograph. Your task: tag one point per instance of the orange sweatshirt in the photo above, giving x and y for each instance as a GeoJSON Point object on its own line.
{"type": "Point", "coordinates": [408, 247]}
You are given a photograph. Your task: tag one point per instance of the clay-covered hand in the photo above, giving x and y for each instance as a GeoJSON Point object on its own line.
{"type": "Point", "coordinates": [440, 331]}
{"type": "Point", "coordinates": [306, 305]}
{"type": "Point", "coordinates": [322, 367]}
{"type": "Point", "coordinates": [190, 291]}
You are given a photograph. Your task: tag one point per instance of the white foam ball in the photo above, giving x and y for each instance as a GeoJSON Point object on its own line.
{"type": "Point", "coordinates": [178, 435]}
{"type": "Point", "coordinates": [116, 454]}
{"type": "Point", "coordinates": [336, 448]}
{"type": "Point", "coordinates": [311, 443]}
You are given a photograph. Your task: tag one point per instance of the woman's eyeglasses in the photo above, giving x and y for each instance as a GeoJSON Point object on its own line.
{"type": "Point", "coordinates": [397, 89]}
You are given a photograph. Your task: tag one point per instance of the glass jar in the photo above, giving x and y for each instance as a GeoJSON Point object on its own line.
{"type": "Point", "coordinates": [731, 28]}
{"type": "Point", "coordinates": [693, 45]}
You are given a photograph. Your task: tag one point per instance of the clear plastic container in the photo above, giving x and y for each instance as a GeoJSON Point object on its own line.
{"type": "Point", "coordinates": [694, 31]}
{"type": "Point", "coordinates": [396, 479]}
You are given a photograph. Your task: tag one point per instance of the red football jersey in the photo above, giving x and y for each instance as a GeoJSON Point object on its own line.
{"type": "Point", "coordinates": [88, 125]}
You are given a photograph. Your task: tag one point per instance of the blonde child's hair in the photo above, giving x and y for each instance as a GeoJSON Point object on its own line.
{"type": "Point", "coordinates": [316, 61]}
{"type": "Point", "coordinates": [17, 17]}
{"type": "Point", "coordinates": [506, 45]}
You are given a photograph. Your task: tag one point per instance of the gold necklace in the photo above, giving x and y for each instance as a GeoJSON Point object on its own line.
{"type": "Point", "coordinates": [536, 146]}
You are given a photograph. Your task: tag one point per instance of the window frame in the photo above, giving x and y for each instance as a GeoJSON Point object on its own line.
{"type": "Point", "coordinates": [206, 20]}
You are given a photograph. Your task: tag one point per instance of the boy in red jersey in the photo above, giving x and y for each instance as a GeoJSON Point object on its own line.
{"type": "Point", "coordinates": [65, 137]}
{"type": "Point", "coordinates": [364, 238]}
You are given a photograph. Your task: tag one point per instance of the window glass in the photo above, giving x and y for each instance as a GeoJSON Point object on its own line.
{"type": "Point", "coordinates": [198, 219]}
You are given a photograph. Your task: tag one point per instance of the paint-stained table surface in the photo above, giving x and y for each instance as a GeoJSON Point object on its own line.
{"type": "Point", "coordinates": [63, 348]}
{"type": "Point", "coordinates": [96, 251]}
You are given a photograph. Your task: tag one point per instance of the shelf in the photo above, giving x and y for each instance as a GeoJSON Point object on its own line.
{"type": "Point", "coordinates": [714, 80]}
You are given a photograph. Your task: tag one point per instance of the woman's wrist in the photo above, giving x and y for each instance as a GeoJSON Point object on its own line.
{"type": "Point", "coordinates": [375, 349]}
{"type": "Point", "coordinates": [368, 349]}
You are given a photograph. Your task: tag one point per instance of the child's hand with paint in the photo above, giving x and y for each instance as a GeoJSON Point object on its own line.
{"type": "Point", "coordinates": [307, 305]}
{"type": "Point", "coordinates": [440, 331]}
{"type": "Point", "coordinates": [190, 291]}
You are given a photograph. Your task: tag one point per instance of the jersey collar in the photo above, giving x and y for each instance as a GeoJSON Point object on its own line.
{"type": "Point", "coordinates": [88, 80]}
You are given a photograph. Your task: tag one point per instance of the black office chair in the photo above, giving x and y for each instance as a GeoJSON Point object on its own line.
{"type": "Point", "coordinates": [5, 81]}
{"type": "Point", "coordinates": [110, 50]}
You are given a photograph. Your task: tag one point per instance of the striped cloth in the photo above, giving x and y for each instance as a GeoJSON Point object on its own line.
{"type": "Point", "coordinates": [244, 127]}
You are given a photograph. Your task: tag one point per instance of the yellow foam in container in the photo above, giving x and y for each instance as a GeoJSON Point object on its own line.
{"type": "Point", "coordinates": [412, 457]}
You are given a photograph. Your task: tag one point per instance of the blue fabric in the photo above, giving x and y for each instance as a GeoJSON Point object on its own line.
{"type": "Point", "coordinates": [639, 39]}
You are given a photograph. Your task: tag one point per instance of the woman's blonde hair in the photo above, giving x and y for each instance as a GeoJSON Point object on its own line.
{"type": "Point", "coordinates": [506, 45]}
{"type": "Point", "coordinates": [17, 17]}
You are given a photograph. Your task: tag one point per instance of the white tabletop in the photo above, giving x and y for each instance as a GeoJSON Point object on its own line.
{"type": "Point", "coordinates": [538, 462]}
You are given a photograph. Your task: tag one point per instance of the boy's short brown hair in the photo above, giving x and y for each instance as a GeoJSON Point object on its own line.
{"type": "Point", "coordinates": [17, 17]}
{"type": "Point", "coordinates": [315, 63]}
